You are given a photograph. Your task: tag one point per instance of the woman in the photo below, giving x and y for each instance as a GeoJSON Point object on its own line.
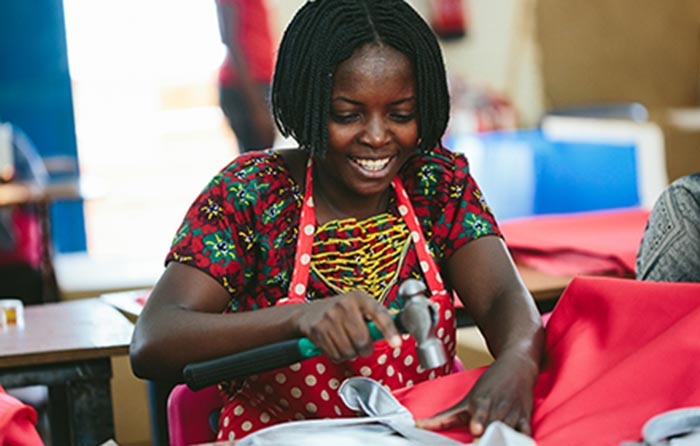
{"type": "Point", "coordinates": [314, 241]}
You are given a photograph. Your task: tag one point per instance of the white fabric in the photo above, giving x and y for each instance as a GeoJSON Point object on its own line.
{"type": "Point", "coordinates": [388, 423]}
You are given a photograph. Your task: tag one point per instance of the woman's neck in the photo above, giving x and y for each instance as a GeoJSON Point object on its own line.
{"type": "Point", "coordinates": [333, 202]}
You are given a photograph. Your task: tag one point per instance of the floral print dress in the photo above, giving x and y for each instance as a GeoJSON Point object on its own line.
{"type": "Point", "coordinates": [243, 230]}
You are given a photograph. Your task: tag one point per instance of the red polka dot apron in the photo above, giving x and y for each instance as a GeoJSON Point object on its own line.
{"type": "Point", "coordinates": [308, 389]}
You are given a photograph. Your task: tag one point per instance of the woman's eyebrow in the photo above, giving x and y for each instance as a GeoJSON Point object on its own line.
{"type": "Point", "coordinates": [345, 99]}
{"type": "Point", "coordinates": [354, 102]}
{"type": "Point", "coordinates": [401, 101]}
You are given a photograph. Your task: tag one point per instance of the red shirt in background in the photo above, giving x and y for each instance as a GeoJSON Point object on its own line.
{"type": "Point", "coordinates": [254, 36]}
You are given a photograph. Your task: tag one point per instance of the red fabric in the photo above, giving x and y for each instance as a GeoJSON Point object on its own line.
{"type": "Point", "coordinates": [255, 40]}
{"type": "Point", "coordinates": [17, 421]}
{"type": "Point", "coordinates": [618, 352]}
{"type": "Point", "coordinates": [599, 242]}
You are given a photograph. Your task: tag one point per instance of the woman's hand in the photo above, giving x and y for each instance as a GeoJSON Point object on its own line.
{"type": "Point", "coordinates": [504, 311]}
{"type": "Point", "coordinates": [502, 393]}
{"type": "Point", "coordinates": [338, 325]}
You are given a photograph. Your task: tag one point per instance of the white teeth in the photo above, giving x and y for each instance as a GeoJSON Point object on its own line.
{"type": "Point", "coordinates": [372, 165]}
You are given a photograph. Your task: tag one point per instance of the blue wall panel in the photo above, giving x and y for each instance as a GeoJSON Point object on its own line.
{"type": "Point", "coordinates": [35, 94]}
{"type": "Point", "coordinates": [522, 173]}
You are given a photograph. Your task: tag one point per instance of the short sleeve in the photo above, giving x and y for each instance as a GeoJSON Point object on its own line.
{"type": "Point", "coordinates": [471, 216]}
{"type": "Point", "coordinates": [448, 202]}
{"type": "Point", "coordinates": [215, 232]}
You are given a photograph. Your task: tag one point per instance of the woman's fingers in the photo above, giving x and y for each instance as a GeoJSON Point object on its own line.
{"type": "Point", "coordinates": [475, 415]}
{"type": "Point", "coordinates": [338, 325]}
{"type": "Point", "coordinates": [512, 418]}
{"type": "Point", "coordinates": [524, 426]}
{"type": "Point", "coordinates": [481, 408]}
{"type": "Point", "coordinates": [381, 317]}
{"type": "Point", "coordinates": [445, 420]}
{"type": "Point", "coordinates": [483, 405]}
{"type": "Point", "coordinates": [355, 328]}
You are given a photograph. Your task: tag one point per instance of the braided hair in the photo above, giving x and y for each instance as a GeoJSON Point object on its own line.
{"type": "Point", "coordinates": [324, 33]}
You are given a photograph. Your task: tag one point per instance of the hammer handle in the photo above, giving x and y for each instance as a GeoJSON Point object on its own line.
{"type": "Point", "coordinates": [257, 360]}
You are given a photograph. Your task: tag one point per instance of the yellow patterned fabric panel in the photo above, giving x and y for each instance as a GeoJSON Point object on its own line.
{"type": "Point", "coordinates": [367, 255]}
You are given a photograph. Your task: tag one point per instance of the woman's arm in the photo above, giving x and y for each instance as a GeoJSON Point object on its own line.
{"type": "Point", "coordinates": [183, 323]}
{"type": "Point", "coordinates": [488, 283]}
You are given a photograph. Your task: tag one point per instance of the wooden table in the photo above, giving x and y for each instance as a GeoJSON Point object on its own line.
{"type": "Point", "coordinates": [71, 188]}
{"type": "Point", "coordinates": [545, 288]}
{"type": "Point", "coordinates": [67, 346]}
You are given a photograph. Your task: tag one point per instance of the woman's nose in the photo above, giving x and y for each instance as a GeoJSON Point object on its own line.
{"type": "Point", "coordinates": [376, 133]}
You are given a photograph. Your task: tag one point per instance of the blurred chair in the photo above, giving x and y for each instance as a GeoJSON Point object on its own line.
{"type": "Point", "coordinates": [23, 266]}
{"type": "Point", "coordinates": [632, 111]}
{"type": "Point", "coordinates": [190, 413]}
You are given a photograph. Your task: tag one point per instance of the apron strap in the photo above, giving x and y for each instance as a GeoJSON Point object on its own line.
{"type": "Point", "coordinates": [427, 262]}
{"type": "Point", "coordinates": [307, 230]}
{"type": "Point", "coordinates": [305, 240]}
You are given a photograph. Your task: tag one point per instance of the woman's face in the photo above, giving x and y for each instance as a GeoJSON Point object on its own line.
{"type": "Point", "coordinates": [372, 127]}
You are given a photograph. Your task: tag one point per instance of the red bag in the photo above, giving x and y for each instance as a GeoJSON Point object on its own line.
{"type": "Point", "coordinates": [17, 421]}
{"type": "Point", "coordinates": [618, 352]}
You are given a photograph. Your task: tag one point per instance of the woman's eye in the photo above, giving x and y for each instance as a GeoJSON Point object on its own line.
{"type": "Point", "coordinates": [343, 118]}
{"type": "Point", "coordinates": [403, 117]}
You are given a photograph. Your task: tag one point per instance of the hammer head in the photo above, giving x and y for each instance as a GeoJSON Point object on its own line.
{"type": "Point", "coordinates": [419, 318]}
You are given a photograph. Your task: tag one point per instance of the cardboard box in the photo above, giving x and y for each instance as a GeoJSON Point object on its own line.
{"type": "Point", "coordinates": [596, 52]}
{"type": "Point", "coordinates": [471, 348]}
{"type": "Point", "coordinates": [681, 130]}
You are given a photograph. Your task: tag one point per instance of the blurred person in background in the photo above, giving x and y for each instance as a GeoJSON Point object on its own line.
{"type": "Point", "coordinates": [246, 73]}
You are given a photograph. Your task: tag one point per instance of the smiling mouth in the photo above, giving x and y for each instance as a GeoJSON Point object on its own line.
{"type": "Point", "coordinates": [372, 165]}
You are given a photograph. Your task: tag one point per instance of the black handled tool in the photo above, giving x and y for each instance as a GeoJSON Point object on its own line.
{"type": "Point", "coordinates": [418, 318]}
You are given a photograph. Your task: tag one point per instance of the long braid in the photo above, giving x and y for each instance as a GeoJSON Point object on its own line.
{"type": "Point", "coordinates": [324, 33]}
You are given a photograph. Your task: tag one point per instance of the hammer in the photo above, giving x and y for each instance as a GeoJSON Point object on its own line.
{"type": "Point", "coordinates": [418, 318]}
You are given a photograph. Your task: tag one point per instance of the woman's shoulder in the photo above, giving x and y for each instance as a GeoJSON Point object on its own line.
{"type": "Point", "coordinates": [253, 169]}
{"type": "Point", "coordinates": [439, 166]}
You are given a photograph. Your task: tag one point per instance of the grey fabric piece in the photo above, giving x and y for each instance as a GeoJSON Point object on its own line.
{"type": "Point", "coordinates": [388, 424]}
{"type": "Point", "coordinates": [678, 427]}
{"type": "Point", "coordinates": [670, 248]}
{"type": "Point", "coordinates": [371, 398]}
{"type": "Point", "coordinates": [682, 423]}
